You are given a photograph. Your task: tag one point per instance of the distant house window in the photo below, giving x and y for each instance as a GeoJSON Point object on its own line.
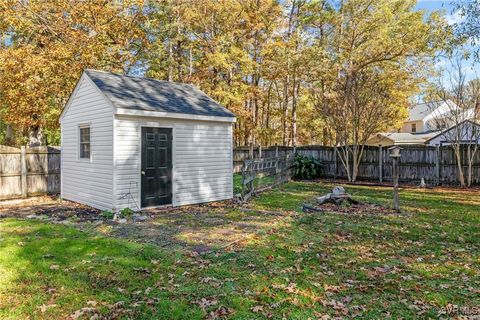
{"type": "Point", "coordinates": [414, 127]}
{"type": "Point", "coordinates": [85, 142]}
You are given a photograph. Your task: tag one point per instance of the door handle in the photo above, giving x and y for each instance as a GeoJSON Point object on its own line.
{"type": "Point", "coordinates": [143, 173]}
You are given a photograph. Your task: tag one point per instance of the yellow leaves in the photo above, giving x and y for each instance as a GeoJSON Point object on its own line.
{"type": "Point", "coordinates": [54, 41]}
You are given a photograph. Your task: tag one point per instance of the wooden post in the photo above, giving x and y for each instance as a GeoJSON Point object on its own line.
{"type": "Point", "coordinates": [277, 163]}
{"type": "Point", "coordinates": [335, 164]}
{"type": "Point", "coordinates": [437, 165]}
{"type": "Point", "coordinates": [259, 151]}
{"type": "Point", "coordinates": [23, 167]}
{"type": "Point", "coordinates": [380, 163]}
{"type": "Point", "coordinates": [244, 176]}
{"type": "Point", "coordinates": [395, 170]}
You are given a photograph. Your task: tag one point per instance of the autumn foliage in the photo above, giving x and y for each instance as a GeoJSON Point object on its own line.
{"type": "Point", "coordinates": [285, 68]}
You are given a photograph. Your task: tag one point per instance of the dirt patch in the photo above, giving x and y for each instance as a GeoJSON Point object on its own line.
{"type": "Point", "coordinates": [199, 228]}
{"type": "Point", "coordinates": [359, 209]}
{"type": "Point", "coordinates": [48, 207]}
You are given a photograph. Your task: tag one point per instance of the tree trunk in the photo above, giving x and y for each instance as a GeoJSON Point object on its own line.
{"type": "Point", "coordinates": [285, 110]}
{"type": "Point", "coordinates": [461, 176]}
{"type": "Point", "coordinates": [294, 114]}
{"type": "Point", "coordinates": [35, 137]}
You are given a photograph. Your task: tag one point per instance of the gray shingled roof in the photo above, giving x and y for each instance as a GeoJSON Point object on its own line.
{"type": "Point", "coordinates": [419, 111]}
{"type": "Point", "coordinates": [155, 95]}
{"type": "Point", "coordinates": [407, 137]}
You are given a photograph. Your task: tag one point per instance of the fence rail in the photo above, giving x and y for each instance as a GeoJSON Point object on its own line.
{"type": "Point", "coordinates": [436, 165]}
{"type": "Point", "coordinates": [36, 171]}
{"type": "Point", "coordinates": [29, 171]}
{"type": "Point", "coordinates": [263, 173]}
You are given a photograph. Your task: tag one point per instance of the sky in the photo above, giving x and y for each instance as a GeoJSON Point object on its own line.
{"type": "Point", "coordinates": [452, 17]}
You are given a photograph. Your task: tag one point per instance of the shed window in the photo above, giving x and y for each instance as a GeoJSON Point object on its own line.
{"type": "Point", "coordinates": [85, 142]}
{"type": "Point", "coordinates": [414, 127]}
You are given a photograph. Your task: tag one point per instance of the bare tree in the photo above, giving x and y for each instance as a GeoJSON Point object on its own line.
{"type": "Point", "coordinates": [456, 113]}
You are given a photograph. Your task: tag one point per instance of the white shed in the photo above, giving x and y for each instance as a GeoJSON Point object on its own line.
{"type": "Point", "coordinates": [136, 142]}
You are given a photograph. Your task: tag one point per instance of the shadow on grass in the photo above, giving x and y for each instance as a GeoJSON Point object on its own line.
{"type": "Point", "coordinates": [295, 265]}
{"type": "Point", "coordinates": [45, 264]}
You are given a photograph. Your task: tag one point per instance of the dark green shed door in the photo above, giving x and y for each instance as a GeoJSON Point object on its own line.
{"type": "Point", "coordinates": [156, 166]}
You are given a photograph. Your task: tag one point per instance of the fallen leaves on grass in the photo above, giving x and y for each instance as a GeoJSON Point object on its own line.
{"type": "Point", "coordinates": [220, 312]}
{"type": "Point", "coordinates": [204, 303]}
{"type": "Point", "coordinates": [257, 309]}
{"type": "Point", "coordinates": [80, 312]}
{"type": "Point", "coordinates": [43, 308]}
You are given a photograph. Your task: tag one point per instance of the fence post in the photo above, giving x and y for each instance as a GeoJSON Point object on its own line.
{"type": "Point", "coordinates": [437, 165]}
{"type": "Point", "coordinates": [250, 151]}
{"type": "Point", "coordinates": [23, 168]}
{"type": "Point", "coordinates": [335, 165]}
{"type": "Point", "coordinates": [380, 163]}
{"type": "Point", "coordinates": [259, 151]}
{"type": "Point", "coordinates": [277, 163]}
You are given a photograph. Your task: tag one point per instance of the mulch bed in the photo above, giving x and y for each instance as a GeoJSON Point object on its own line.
{"type": "Point", "coordinates": [360, 209]}
{"type": "Point", "coordinates": [49, 208]}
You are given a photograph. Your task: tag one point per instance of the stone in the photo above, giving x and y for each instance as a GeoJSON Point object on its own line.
{"type": "Point", "coordinates": [338, 196]}
{"type": "Point", "coordinates": [423, 184]}
{"type": "Point", "coordinates": [338, 190]}
{"type": "Point", "coordinates": [122, 221]}
{"type": "Point", "coordinates": [139, 218]}
{"type": "Point", "coordinates": [324, 198]}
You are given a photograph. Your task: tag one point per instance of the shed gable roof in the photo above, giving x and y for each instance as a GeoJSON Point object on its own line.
{"type": "Point", "coordinates": [145, 94]}
{"type": "Point", "coordinates": [407, 137]}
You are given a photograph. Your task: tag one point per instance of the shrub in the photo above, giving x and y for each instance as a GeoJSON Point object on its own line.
{"type": "Point", "coordinates": [306, 168]}
{"type": "Point", "coordinates": [127, 213]}
{"type": "Point", "coordinates": [107, 214]}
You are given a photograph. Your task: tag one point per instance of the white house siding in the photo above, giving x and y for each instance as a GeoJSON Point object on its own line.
{"type": "Point", "coordinates": [83, 181]}
{"type": "Point", "coordinates": [201, 154]}
{"type": "Point", "coordinates": [465, 131]}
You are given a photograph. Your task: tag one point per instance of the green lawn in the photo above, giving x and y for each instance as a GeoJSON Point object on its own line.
{"type": "Point", "coordinates": [298, 266]}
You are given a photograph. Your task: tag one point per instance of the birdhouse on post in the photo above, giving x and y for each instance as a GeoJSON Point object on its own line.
{"type": "Point", "coordinates": [395, 155]}
{"type": "Point", "coordinates": [395, 151]}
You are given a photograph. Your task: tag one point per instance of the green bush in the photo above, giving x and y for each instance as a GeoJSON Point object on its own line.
{"type": "Point", "coordinates": [107, 214]}
{"type": "Point", "coordinates": [306, 168]}
{"type": "Point", "coordinates": [126, 213]}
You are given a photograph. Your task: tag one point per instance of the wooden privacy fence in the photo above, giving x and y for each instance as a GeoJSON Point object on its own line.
{"type": "Point", "coordinates": [29, 171]}
{"type": "Point", "coordinates": [243, 153]}
{"type": "Point", "coordinates": [265, 172]}
{"type": "Point", "coordinates": [436, 165]}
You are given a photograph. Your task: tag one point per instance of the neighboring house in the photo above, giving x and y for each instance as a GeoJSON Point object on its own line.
{"type": "Point", "coordinates": [425, 120]}
{"type": "Point", "coordinates": [138, 143]}
{"type": "Point", "coordinates": [429, 116]}
{"type": "Point", "coordinates": [466, 132]}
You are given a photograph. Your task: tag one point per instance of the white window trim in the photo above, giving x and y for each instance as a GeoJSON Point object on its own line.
{"type": "Point", "coordinates": [82, 126]}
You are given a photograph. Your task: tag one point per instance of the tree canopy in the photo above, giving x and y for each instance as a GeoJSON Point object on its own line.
{"type": "Point", "coordinates": [295, 72]}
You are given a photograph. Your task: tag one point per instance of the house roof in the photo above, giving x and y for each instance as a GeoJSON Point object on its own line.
{"type": "Point", "coordinates": [145, 94]}
{"type": "Point", "coordinates": [420, 111]}
{"type": "Point", "coordinates": [407, 137]}
{"type": "Point", "coordinates": [440, 133]}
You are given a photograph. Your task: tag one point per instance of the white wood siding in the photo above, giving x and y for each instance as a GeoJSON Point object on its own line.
{"type": "Point", "coordinates": [464, 132]}
{"type": "Point", "coordinates": [84, 181]}
{"type": "Point", "coordinates": [202, 160]}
